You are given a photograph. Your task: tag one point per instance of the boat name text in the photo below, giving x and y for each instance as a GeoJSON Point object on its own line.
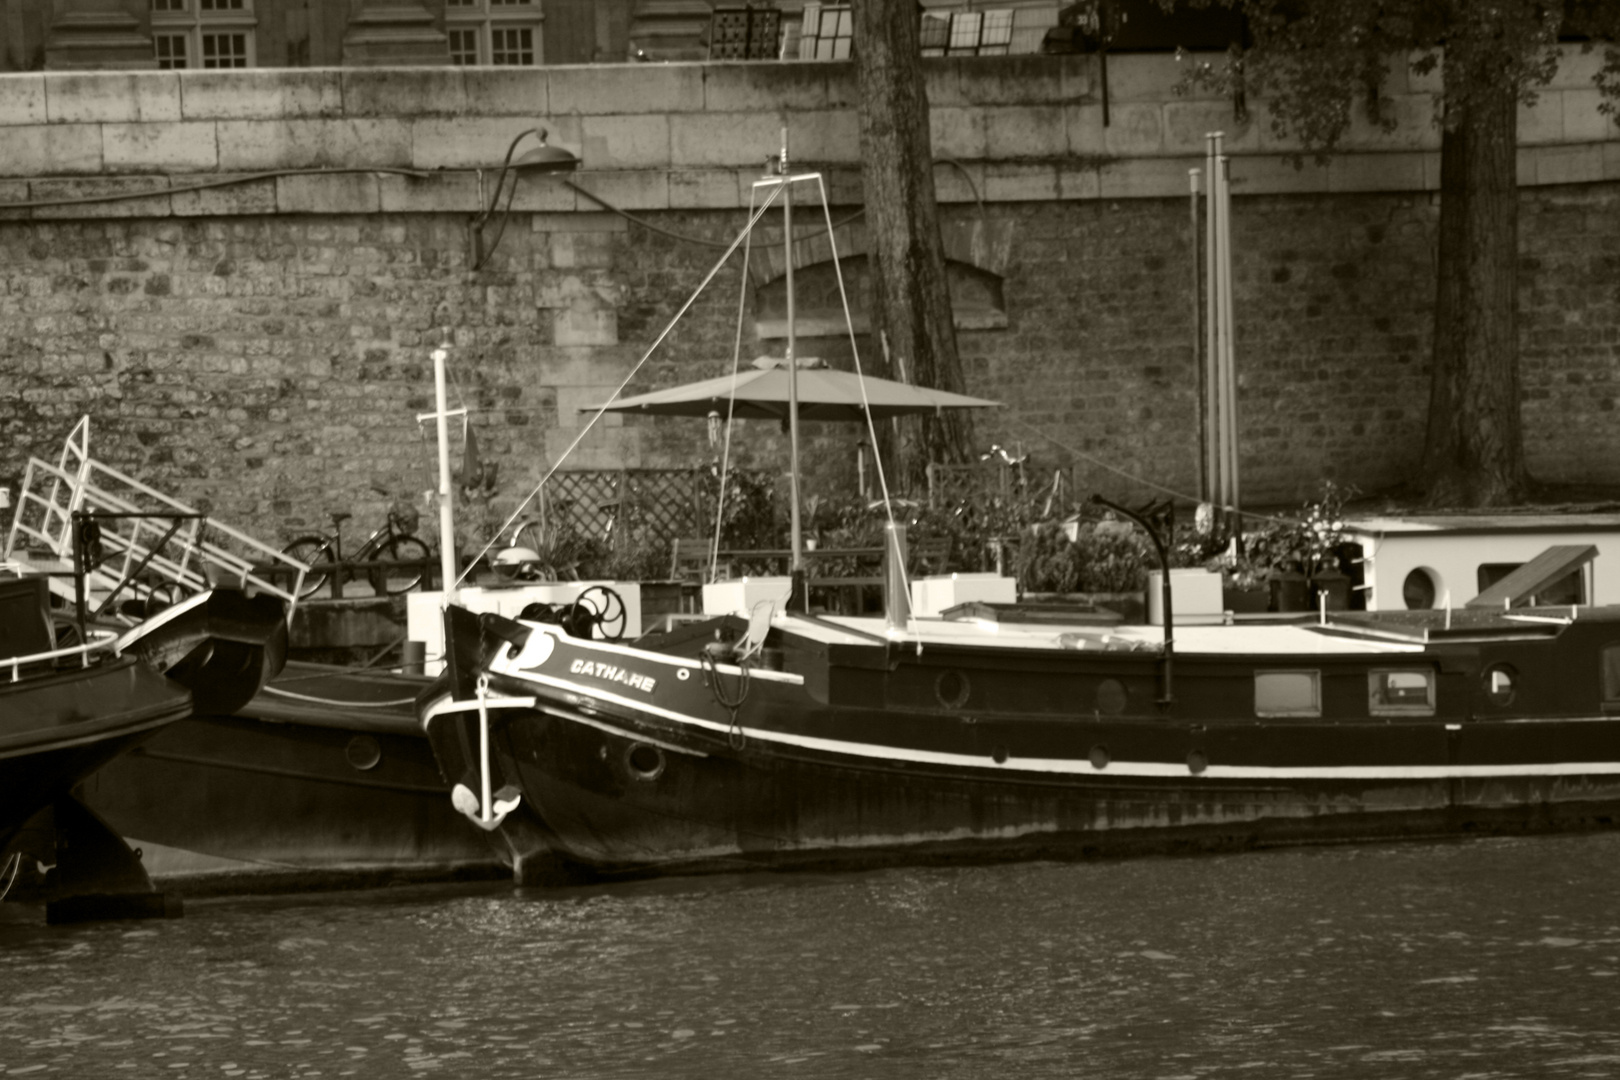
{"type": "Point", "coordinates": [598, 669]}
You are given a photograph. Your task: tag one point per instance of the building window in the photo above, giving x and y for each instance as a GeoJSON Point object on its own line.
{"type": "Point", "coordinates": [826, 32]}
{"type": "Point", "coordinates": [968, 33]}
{"type": "Point", "coordinates": [500, 32]}
{"type": "Point", "coordinates": [745, 33]}
{"type": "Point", "coordinates": [203, 33]}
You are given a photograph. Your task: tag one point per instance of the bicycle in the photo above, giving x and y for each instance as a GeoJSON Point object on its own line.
{"type": "Point", "coordinates": [393, 542]}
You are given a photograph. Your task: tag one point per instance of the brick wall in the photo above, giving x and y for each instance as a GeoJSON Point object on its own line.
{"type": "Point", "coordinates": [262, 347]}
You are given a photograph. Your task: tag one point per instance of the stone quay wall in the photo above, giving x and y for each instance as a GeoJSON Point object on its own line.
{"type": "Point", "coordinates": [239, 276]}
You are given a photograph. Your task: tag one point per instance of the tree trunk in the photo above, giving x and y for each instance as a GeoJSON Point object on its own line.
{"type": "Point", "coordinates": [1474, 452]}
{"type": "Point", "coordinates": [911, 304]}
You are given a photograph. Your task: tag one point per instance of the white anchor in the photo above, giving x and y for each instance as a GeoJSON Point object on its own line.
{"type": "Point", "coordinates": [486, 811]}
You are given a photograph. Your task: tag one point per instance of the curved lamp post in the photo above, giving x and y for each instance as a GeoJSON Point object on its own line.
{"type": "Point", "coordinates": [1150, 518]}
{"type": "Point", "coordinates": [544, 158]}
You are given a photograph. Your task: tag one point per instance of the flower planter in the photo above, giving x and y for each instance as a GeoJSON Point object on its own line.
{"type": "Point", "coordinates": [1332, 585]}
{"type": "Point", "coordinates": [1288, 592]}
{"type": "Point", "coordinates": [1254, 600]}
{"type": "Point", "coordinates": [1130, 606]}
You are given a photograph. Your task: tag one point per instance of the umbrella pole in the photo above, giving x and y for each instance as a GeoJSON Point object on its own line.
{"type": "Point", "coordinates": [796, 535]}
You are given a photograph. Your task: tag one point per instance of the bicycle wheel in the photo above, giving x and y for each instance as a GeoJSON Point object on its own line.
{"type": "Point", "coordinates": [393, 580]}
{"type": "Point", "coordinates": [310, 550]}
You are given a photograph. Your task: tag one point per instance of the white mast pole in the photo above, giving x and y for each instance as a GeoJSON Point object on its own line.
{"type": "Point", "coordinates": [447, 521]}
{"type": "Point", "coordinates": [1229, 359]}
{"type": "Point", "coordinates": [1212, 376]}
{"type": "Point", "coordinates": [796, 536]}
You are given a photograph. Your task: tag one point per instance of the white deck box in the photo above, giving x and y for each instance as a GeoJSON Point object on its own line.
{"type": "Point", "coordinates": [932, 595]}
{"type": "Point", "coordinates": [424, 611]}
{"type": "Point", "coordinates": [1195, 597]}
{"type": "Point", "coordinates": [739, 595]}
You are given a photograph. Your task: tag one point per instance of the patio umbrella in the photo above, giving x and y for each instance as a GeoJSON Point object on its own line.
{"type": "Point", "coordinates": [824, 394]}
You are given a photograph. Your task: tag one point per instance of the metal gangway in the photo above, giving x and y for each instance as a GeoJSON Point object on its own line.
{"type": "Point", "coordinates": [153, 548]}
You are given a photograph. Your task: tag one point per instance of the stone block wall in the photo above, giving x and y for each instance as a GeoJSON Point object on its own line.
{"type": "Point", "coordinates": [239, 276]}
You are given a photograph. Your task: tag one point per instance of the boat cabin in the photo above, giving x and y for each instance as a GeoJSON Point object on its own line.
{"type": "Point", "coordinates": [1450, 560]}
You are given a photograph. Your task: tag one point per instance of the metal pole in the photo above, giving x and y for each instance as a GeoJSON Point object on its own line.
{"type": "Point", "coordinates": [796, 539]}
{"type": "Point", "coordinates": [1217, 316]}
{"type": "Point", "coordinates": [1212, 468]}
{"type": "Point", "coordinates": [447, 520]}
{"type": "Point", "coordinates": [1197, 343]}
{"type": "Point", "coordinates": [896, 600]}
{"type": "Point", "coordinates": [1161, 547]}
{"type": "Point", "coordinates": [1235, 498]}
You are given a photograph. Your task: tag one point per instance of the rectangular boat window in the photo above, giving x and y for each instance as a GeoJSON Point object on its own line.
{"type": "Point", "coordinates": [1287, 693]}
{"type": "Point", "coordinates": [1400, 693]}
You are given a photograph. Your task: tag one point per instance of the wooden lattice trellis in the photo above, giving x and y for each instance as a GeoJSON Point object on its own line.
{"type": "Point", "coordinates": [654, 504]}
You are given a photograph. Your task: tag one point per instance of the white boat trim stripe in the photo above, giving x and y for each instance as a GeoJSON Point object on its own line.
{"type": "Point", "coordinates": [1083, 767]}
{"type": "Point", "coordinates": [501, 664]}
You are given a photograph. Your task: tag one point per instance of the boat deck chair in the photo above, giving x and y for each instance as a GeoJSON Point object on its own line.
{"type": "Point", "coordinates": [931, 555]}
{"type": "Point", "coordinates": [752, 643]}
{"type": "Point", "coordinates": [689, 564]}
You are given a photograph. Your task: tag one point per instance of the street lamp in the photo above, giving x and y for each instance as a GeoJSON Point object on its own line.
{"type": "Point", "coordinates": [544, 158]}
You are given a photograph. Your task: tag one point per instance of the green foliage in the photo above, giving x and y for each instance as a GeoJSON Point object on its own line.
{"type": "Point", "coordinates": [1047, 562]}
{"type": "Point", "coordinates": [1111, 559]}
{"type": "Point", "coordinates": [753, 515]}
{"type": "Point", "coordinates": [640, 556]}
{"type": "Point", "coordinates": [1312, 59]}
{"type": "Point", "coordinates": [1307, 544]}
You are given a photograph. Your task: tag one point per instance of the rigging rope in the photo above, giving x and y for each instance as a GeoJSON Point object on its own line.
{"type": "Point", "coordinates": [338, 701]}
{"type": "Point", "coordinates": [16, 866]}
{"type": "Point", "coordinates": [1172, 492]}
{"type": "Point", "coordinates": [735, 737]}
{"type": "Point", "coordinates": [586, 430]}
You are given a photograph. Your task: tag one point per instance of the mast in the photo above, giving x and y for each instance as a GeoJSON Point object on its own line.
{"type": "Point", "coordinates": [447, 519]}
{"type": "Point", "coordinates": [795, 531]}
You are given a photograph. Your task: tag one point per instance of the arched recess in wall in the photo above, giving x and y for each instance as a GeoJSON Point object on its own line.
{"type": "Point", "coordinates": [977, 300]}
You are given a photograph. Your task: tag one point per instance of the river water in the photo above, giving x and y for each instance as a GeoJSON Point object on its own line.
{"type": "Point", "coordinates": [1471, 959]}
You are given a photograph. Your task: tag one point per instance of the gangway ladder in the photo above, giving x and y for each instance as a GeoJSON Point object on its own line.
{"type": "Point", "coordinates": [143, 558]}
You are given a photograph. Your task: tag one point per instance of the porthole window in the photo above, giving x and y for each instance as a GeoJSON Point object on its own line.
{"type": "Point", "coordinates": [1500, 683]}
{"type": "Point", "coordinates": [952, 688]}
{"type": "Point", "coordinates": [645, 762]}
{"type": "Point", "coordinates": [1420, 589]}
{"type": "Point", "coordinates": [363, 752]}
{"type": "Point", "coordinates": [1111, 697]}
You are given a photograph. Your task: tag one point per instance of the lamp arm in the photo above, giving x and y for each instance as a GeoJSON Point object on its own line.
{"type": "Point", "coordinates": [500, 178]}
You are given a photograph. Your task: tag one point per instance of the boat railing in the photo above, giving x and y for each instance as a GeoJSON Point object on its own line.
{"type": "Point", "coordinates": [153, 546]}
{"type": "Point", "coordinates": [101, 641]}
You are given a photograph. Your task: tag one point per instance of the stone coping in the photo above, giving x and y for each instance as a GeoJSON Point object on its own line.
{"type": "Point", "coordinates": [362, 191]}
{"type": "Point", "coordinates": [1013, 129]}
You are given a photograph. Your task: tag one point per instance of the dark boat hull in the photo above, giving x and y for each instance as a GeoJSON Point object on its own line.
{"type": "Point", "coordinates": [636, 761]}
{"type": "Point", "coordinates": [57, 728]}
{"type": "Point", "coordinates": [224, 646]}
{"type": "Point", "coordinates": [325, 775]}
{"type": "Point", "coordinates": [730, 809]}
